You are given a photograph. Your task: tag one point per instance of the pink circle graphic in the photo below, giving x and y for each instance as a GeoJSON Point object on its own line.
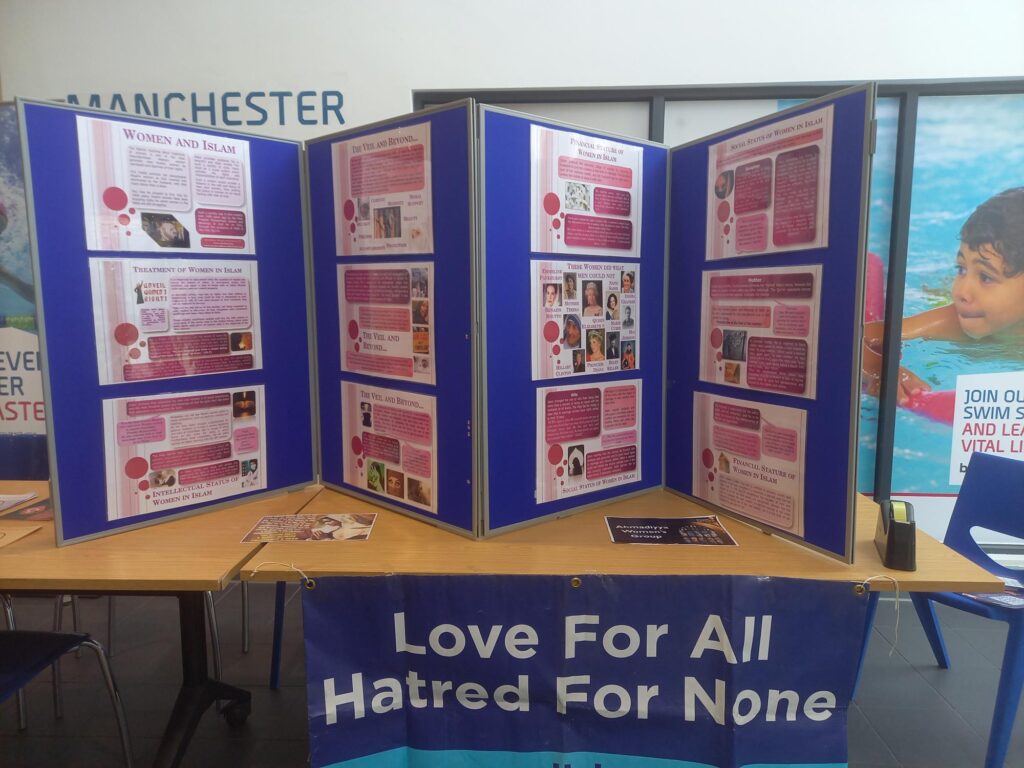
{"type": "Point", "coordinates": [136, 467]}
{"type": "Point", "coordinates": [723, 210]}
{"type": "Point", "coordinates": [552, 203]}
{"type": "Point", "coordinates": [357, 445]}
{"type": "Point", "coordinates": [115, 198]}
{"type": "Point", "coordinates": [128, 232]}
{"type": "Point", "coordinates": [142, 343]}
{"type": "Point", "coordinates": [559, 471]}
{"type": "Point", "coordinates": [718, 357]}
{"type": "Point", "coordinates": [716, 337]}
{"type": "Point", "coordinates": [144, 485]}
{"type": "Point", "coordinates": [350, 210]}
{"type": "Point", "coordinates": [353, 329]}
{"type": "Point", "coordinates": [727, 229]}
{"type": "Point", "coordinates": [554, 454]}
{"type": "Point", "coordinates": [131, 210]}
{"type": "Point", "coordinates": [556, 350]}
{"type": "Point", "coordinates": [359, 463]}
{"type": "Point", "coordinates": [556, 223]}
{"type": "Point", "coordinates": [124, 219]}
{"type": "Point", "coordinates": [352, 228]}
{"type": "Point", "coordinates": [707, 458]}
{"type": "Point", "coordinates": [357, 346]}
{"type": "Point", "coordinates": [135, 354]}
{"type": "Point", "coordinates": [711, 476]}
{"type": "Point", "coordinates": [558, 237]}
{"type": "Point", "coordinates": [551, 331]}
{"type": "Point", "coordinates": [126, 334]}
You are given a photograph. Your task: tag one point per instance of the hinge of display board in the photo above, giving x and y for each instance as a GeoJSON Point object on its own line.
{"type": "Point", "coordinates": [874, 137]}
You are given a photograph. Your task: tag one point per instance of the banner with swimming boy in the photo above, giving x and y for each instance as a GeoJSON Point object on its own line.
{"type": "Point", "coordinates": [616, 671]}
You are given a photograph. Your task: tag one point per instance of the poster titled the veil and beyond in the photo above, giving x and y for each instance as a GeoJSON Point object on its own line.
{"type": "Point", "coordinates": [169, 451]}
{"type": "Point", "coordinates": [768, 189]}
{"type": "Point", "coordinates": [390, 444]}
{"type": "Point", "coordinates": [383, 202]}
{"type": "Point", "coordinates": [585, 194]}
{"type": "Point", "coordinates": [151, 188]}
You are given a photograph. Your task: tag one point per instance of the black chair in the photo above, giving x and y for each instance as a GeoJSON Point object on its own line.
{"type": "Point", "coordinates": [24, 654]}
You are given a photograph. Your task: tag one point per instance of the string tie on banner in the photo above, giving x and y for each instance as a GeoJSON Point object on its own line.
{"type": "Point", "coordinates": [866, 585]}
{"type": "Point", "coordinates": [307, 582]}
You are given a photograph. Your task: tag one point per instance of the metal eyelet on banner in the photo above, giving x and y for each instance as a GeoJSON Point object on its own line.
{"type": "Point", "coordinates": [576, 582]}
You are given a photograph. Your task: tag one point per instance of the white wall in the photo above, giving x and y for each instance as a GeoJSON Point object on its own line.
{"type": "Point", "coordinates": [376, 53]}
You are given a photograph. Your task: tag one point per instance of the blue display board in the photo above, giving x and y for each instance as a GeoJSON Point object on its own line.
{"type": "Point", "coordinates": [645, 672]}
{"type": "Point", "coordinates": [512, 495]}
{"type": "Point", "coordinates": [830, 432]}
{"type": "Point", "coordinates": [75, 396]}
{"type": "Point", "coordinates": [446, 134]}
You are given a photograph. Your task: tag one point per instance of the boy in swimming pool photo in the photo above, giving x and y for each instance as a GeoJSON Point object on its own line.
{"type": "Point", "coordinates": [987, 293]}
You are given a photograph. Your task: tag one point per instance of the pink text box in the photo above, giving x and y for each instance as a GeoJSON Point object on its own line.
{"type": "Point", "coordinates": [734, 441]}
{"type": "Point", "coordinates": [753, 187]}
{"type": "Point", "coordinates": [742, 316]}
{"type": "Point", "coordinates": [214, 221]}
{"type": "Point", "coordinates": [400, 169]}
{"type": "Point", "coordinates": [247, 440]}
{"type": "Point", "coordinates": [184, 456]}
{"type": "Point", "coordinates": [141, 431]}
{"type": "Point", "coordinates": [615, 439]}
{"type": "Point", "coordinates": [194, 367]}
{"type": "Point", "coordinates": [172, 404]}
{"type": "Point", "coordinates": [380, 447]}
{"type": "Point", "coordinates": [209, 303]}
{"type": "Point", "coordinates": [763, 286]}
{"type": "Point", "coordinates": [780, 443]}
{"type": "Point", "coordinates": [385, 318]}
{"type": "Point", "coordinates": [612, 462]}
{"type": "Point", "coordinates": [193, 345]}
{"type": "Point", "coordinates": [378, 364]}
{"type": "Point", "coordinates": [796, 197]}
{"type": "Point", "coordinates": [414, 426]}
{"type": "Point", "coordinates": [752, 233]}
{"type": "Point", "coordinates": [377, 286]}
{"type": "Point", "coordinates": [221, 242]}
{"type": "Point", "coordinates": [598, 232]}
{"type": "Point", "coordinates": [572, 415]}
{"type": "Point", "coordinates": [779, 365]}
{"type": "Point", "coordinates": [620, 407]}
{"type": "Point", "coordinates": [416, 462]}
{"type": "Point", "coordinates": [209, 472]}
{"type": "Point", "coordinates": [577, 169]}
{"type": "Point", "coordinates": [736, 416]}
{"type": "Point", "coordinates": [616, 202]}
{"type": "Point", "coordinates": [791, 321]}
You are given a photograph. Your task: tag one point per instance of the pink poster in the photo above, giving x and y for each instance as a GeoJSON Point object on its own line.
{"type": "Point", "coordinates": [169, 451]}
{"type": "Point", "coordinates": [387, 320]}
{"type": "Point", "coordinates": [382, 193]}
{"type": "Point", "coordinates": [169, 318]}
{"type": "Point", "coordinates": [151, 188]}
{"type": "Point", "coordinates": [588, 438]}
{"type": "Point", "coordinates": [390, 444]}
{"type": "Point", "coordinates": [768, 188]}
{"type": "Point", "coordinates": [585, 194]}
{"type": "Point", "coordinates": [585, 318]}
{"type": "Point", "coordinates": [748, 458]}
{"type": "Point", "coordinates": [759, 329]}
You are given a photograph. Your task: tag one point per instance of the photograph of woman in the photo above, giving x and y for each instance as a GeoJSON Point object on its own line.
{"type": "Point", "coordinates": [595, 346]}
{"type": "Point", "coordinates": [612, 306]}
{"type": "Point", "coordinates": [592, 299]}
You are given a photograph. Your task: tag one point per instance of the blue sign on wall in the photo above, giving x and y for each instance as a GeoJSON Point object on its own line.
{"type": "Point", "coordinates": [546, 671]}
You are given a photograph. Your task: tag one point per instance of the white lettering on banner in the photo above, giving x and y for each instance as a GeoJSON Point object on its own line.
{"type": "Point", "coordinates": [449, 640]}
{"type": "Point", "coordinates": [22, 410]}
{"type": "Point", "coordinates": [228, 108]}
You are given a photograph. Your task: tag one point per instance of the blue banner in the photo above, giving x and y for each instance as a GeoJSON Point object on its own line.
{"type": "Point", "coordinates": [595, 672]}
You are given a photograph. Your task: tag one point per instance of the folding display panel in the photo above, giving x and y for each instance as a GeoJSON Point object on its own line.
{"type": "Point", "coordinates": [172, 302]}
{"type": "Point", "coordinates": [392, 238]}
{"type": "Point", "coordinates": [574, 235]}
{"type": "Point", "coordinates": [766, 260]}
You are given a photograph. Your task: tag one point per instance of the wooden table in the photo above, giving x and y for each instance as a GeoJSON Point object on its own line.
{"type": "Point", "coordinates": [183, 558]}
{"type": "Point", "coordinates": [580, 544]}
